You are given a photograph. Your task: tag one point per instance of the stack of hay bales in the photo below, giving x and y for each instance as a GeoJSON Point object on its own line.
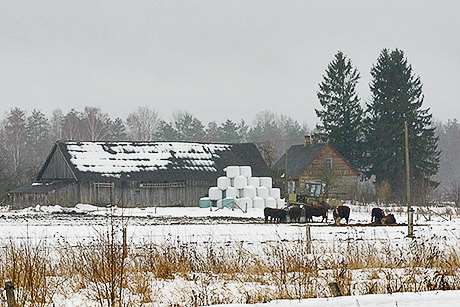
{"type": "Point", "coordinates": [240, 188]}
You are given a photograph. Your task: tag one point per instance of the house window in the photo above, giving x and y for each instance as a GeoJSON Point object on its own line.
{"type": "Point", "coordinates": [313, 189]}
{"type": "Point", "coordinates": [329, 163]}
{"type": "Point", "coordinates": [291, 187]}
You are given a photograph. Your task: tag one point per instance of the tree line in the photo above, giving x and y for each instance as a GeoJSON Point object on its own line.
{"type": "Point", "coordinates": [26, 137]}
{"type": "Point", "coordinates": [370, 135]}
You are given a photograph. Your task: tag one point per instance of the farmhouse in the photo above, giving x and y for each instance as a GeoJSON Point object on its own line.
{"type": "Point", "coordinates": [133, 173]}
{"type": "Point", "coordinates": [321, 163]}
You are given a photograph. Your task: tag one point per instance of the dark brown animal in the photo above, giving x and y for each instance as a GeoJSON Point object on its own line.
{"type": "Point", "coordinates": [388, 219]}
{"type": "Point", "coordinates": [275, 215]}
{"type": "Point", "coordinates": [294, 214]}
{"type": "Point", "coordinates": [376, 215]}
{"type": "Point", "coordinates": [315, 210]}
{"type": "Point", "coordinates": [341, 212]}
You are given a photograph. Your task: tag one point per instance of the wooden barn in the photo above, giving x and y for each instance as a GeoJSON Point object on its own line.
{"type": "Point", "coordinates": [133, 173]}
{"type": "Point", "coordinates": [321, 163]}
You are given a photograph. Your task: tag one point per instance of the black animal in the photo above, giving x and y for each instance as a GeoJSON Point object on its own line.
{"type": "Point", "coordinates": [295, 213]}
{"type": "Point", "coordinates": [341, 212]}
{"type": "Point", "coordinates": [275, 215]}
{"type": "Point", "coordinates": [376, 215]}
{"type": "Point", "coordinates": [388, 219]}
{"type": "Point", "coordinates": [315, 210]}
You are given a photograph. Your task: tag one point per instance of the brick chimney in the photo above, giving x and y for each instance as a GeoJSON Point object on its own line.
{"type": "Point", "coordinates": [307, 140]}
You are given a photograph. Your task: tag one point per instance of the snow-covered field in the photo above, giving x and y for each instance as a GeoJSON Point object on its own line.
{"type": "Point", "coordinates": [410, 299]}
{"type": "Point", "coordinates": [85, 223]}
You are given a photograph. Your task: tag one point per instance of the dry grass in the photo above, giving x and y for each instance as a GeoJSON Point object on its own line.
{"type": "Point", "coordinates": [114, 272]}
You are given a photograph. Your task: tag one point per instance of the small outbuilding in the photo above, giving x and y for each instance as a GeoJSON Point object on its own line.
{"type": "Point", "coordinates": [133, 173]}
{"type": "Point", "coordinates": [318, 163]}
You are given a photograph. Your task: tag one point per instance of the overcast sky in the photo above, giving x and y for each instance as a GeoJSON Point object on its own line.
{"type": "Point", "coordinates": [216, 59]}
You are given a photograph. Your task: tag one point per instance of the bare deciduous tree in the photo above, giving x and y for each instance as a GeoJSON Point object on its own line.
{"type": "Point", "coordinates": [96, 124]}
{"type": "Point", "coordinates": [143, 124]}
{"type": "Point", "coordinates": [72, 129]}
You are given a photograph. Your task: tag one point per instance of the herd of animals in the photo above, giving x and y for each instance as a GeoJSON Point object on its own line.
{"type": "Point", "coordinates": [295, 213]}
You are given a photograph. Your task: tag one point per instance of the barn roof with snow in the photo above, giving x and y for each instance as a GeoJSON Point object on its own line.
{"type": "Point", "coordinates": [147, 161]}
{"type": "Point", "coordinates": [134, 173]}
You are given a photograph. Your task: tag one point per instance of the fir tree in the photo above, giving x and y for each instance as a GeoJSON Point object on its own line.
{"type": "Point", "coordinates": [397, 97]}
{"type": "Point", "coordinates": [188, 127]}
{"type": "Point", "coordinates": [166, 132]}
{"type": "Point", "coordinates": [341, 117]}
{"type": "Point", "coordinates": [118, 131]}
{"type": "Point", "coordinates": [229, 132]}
{"type": "Point", "coordinates": [38, 139]}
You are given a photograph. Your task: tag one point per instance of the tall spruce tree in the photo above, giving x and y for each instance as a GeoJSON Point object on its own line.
{"type": "Point", "coordinates": [396, 97]}
{"type": "Point", "coordinates": [341, 117]}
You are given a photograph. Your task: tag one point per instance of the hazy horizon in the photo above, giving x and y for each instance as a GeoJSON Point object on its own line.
{"type": "Point", "coordinates": [217, 60]}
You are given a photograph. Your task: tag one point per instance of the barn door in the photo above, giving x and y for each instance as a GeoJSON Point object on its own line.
{"type": "Point", "coordinates": [103, 193]}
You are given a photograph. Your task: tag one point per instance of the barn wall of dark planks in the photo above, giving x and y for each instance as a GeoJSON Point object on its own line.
{"type": "Point", "coordinates": [120, 193]}
{"type": "Point", "coordinates": [140, 194]}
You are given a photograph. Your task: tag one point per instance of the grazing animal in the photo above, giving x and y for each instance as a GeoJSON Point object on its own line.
{"type": "Point", "coordinates": [294, 213]}
{"type": "Point", "coordinates": [315, 210]}
{"type": "Point", "coordinates": [341, 212]}
{"type": "Point", "coordinates": [275, 215]}
{"type": "Point", "coordinates": [388, 219]}
{"type": "Point", "coordinates": [376, 215]}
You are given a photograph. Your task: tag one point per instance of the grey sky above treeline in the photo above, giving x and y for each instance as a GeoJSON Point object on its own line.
{"type": "Point", "coordinates": [216, 59]}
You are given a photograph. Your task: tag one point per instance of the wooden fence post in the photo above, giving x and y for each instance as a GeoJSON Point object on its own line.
{"type": "Point", "coordinates": [308, 239]}
{"type": "Point", "coordinates": [125, 245]}
{"type": "Point", "coordinates": [335, 289]}
{"type": "Point", "coordinates": [9, 288]}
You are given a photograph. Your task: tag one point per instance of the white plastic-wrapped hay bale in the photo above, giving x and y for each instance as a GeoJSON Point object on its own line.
{"type": "Point", "coordinates": [240, 182]}
{"type": "Point", "coordinates": [232, 171]}
{"type": "Point", "coordinates": [249, 191]}
{"type": "Point", "coordinates": [263, 192]}
{"type": "Point", "coordinates": [270, 202]}
{"type": "Point", "coordinates": [245, 203]}
{"type": "Point", "coordinates": [266, 182]}
{"type": "Point", "coordinates": [232, 192]}
{"type": "Point", "coordinates": [223, 182]}
{"type": "Point", "coordinates": [215, 193]}
{"type": "Point", "coordinates": [245, 171]}
{"type": "Point", "coordinates": [258, 202]}
{"type": "Point", "coordinates": [228, 202]}
{"type": "Point", "coordinates": [281, 203]}
{"type": "Point", "coordinates": [205, 202]}
{"type": "Point", "coordinates": [254, 181]}
{"type": "Point", "coordinates": [275, 193]}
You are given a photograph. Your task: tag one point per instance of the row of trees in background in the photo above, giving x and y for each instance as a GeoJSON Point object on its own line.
{"type": "Point", "coordinates": [27, 137]}
{"type": "Point", "coordinates": [372, 138]}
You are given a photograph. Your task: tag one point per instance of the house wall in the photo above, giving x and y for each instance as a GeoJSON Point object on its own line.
{"type": "Point", "coordinates": [347, 179]}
